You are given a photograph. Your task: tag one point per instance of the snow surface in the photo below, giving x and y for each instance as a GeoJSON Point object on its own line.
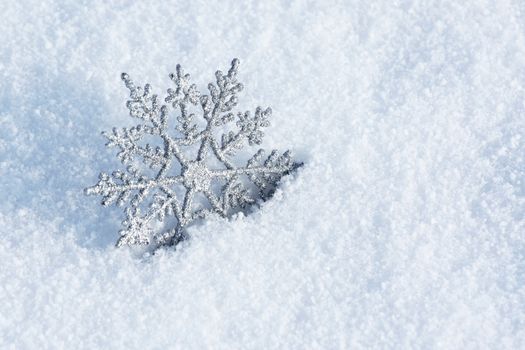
{"type": "Point", "coordinates": [404, 229]}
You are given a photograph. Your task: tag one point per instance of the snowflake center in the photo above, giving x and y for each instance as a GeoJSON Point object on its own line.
{"type": "Point", "coordinates": [196, 176]}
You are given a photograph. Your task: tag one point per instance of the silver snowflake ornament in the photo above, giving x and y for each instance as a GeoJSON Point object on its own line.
{"type": "Point", "coordinates": [161, 180]}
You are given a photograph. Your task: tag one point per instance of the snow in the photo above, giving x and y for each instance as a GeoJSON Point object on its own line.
{"type": "Point", "coordinates": [404, 229]}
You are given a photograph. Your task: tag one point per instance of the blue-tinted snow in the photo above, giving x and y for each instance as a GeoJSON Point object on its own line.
{"type": "Point", "coordinates": [404, 229]}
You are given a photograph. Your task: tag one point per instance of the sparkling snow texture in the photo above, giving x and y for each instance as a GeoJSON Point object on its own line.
{"type": "Point", "coordinates": [404, 229]}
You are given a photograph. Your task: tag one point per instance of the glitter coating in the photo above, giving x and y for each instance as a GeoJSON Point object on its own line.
{"type": "Point", "coordinates": [149, 198]}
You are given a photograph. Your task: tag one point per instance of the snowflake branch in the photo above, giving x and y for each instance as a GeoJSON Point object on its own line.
{"type": "Point", "coordinates": [186, 207]}
{"type": "Point", "coordinates": [249, 171]}
{"type": "Point", "coordinates": [250, 128]}
{"type": "Point", "coordinates": [224, 98]}
{"type": "Point", "coordinates": [112, 191]}
{"type": "Point", "coordinates": [215, 203]}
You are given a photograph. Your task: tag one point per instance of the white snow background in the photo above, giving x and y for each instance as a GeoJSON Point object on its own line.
{"type": "Point", "coordinates": [404, 229]}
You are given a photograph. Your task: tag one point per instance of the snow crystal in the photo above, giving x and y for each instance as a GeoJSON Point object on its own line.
{"type": "Point", "coordinates": [132, 186]}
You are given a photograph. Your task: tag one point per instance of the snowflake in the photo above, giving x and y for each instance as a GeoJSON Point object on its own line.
{"type": "Point", "coordinates": [171, 180]}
